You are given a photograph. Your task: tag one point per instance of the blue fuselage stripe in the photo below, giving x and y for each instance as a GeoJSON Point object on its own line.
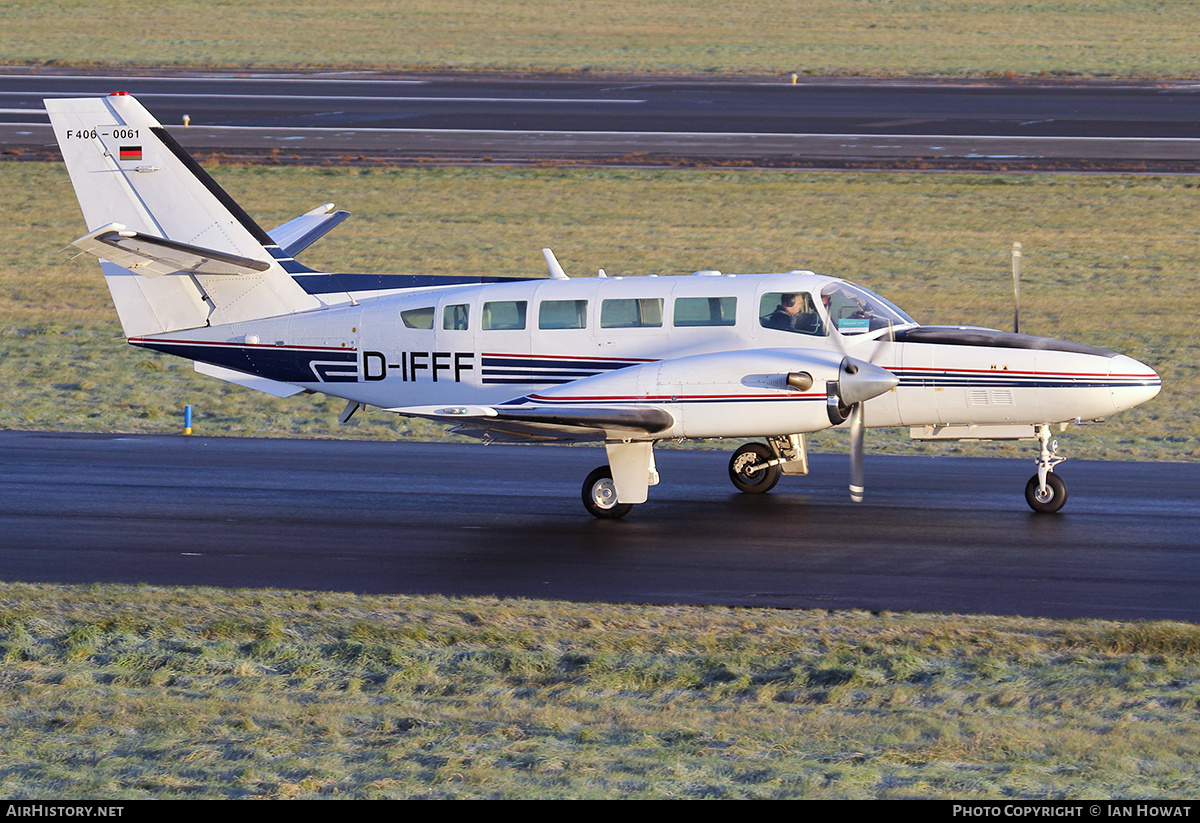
{"type": "Point", "coordinates": [284, 364]}
{"type": "Point", "coordinates": [340, 283]}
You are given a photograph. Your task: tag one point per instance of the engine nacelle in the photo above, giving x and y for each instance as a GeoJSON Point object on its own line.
{"type": "Point", "coordinates": [734, 394]}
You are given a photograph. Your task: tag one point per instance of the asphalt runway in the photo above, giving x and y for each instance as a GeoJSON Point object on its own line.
{"type": "Point", "coordinates": [363, 117]}
{"type": "Point", "coordinates": [937, 534]}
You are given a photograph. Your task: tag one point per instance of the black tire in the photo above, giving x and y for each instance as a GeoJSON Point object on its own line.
{"type": "Point", "coordinates": [753, 482]}
{"type": "Point", "coordinates": [1056, 494]}
{"type": "Point", "coordinates": [600, 496]}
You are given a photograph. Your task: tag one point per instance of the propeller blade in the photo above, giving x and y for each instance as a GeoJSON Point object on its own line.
{"type": "Point", "coordinates": [1016, 258]}
{"type": "Point", "coordinates": [857, 428]}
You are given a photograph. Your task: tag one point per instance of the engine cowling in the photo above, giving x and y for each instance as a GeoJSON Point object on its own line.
{"type": "Point", "coordinates": [735, 393]}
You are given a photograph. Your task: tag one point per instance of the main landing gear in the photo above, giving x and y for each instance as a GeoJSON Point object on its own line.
{"type": "Point", "coordinates": [611, 491]}
{"type": "Point", "coordinates": [1046, 492]}
{"type": "Point", "coordinates": [755, 468]}
{"type": "Point", "coordinates": [600, 496]}
{"type": "Point", "coordinates": [751, 471]}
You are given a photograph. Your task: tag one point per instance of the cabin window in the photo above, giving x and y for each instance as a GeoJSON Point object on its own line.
{"type": "Point", "coordinates": [418, 318]}
{"type": "Point", "coordinates": [790, 311]}
{"type": "Point", "coordinates": [454, 318]}
{"type": "Point", "coordinates": [562, 314]}
{"type": "Point", "coordinates": [504, 315]}
{"type": "Point", "coordinates": [705, 311]}
{"type": "Point", "coordinates": [638, 312]}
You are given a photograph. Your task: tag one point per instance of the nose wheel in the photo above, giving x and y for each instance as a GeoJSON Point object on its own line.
{"type": "Point", "coordinates": [1046, 492]}
{"type": "Point", "coordinates": [1048, 498]}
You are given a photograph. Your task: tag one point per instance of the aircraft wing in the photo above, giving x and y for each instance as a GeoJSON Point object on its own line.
{"type": "Point", "coordinates": [738, 393]}
{"type": "Point", "coordinates": [299, 233]}
{"type": "Point", "coordinates": [531, 422]}
{"type": "Point", "coordinates": [152, 256]}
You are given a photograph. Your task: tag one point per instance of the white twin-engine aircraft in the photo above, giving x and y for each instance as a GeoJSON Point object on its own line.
{"type": "Point", "coordinates": [628, 361]}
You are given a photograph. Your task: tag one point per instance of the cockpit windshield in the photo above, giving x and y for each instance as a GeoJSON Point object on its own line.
{"type": "Point", "coordinates": [855, 310]}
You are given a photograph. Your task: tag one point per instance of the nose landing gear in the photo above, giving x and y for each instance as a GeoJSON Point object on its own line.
{"type": "Point", "coordinates": [1046, 492]}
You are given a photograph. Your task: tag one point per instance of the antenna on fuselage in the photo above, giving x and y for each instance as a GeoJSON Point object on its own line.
{"type": "Point", "coordinates": [345, 290]}
{"type": "Point", "coordinates": [1016, 258]}
{"type": "Point", "coordinates": [556, 271]}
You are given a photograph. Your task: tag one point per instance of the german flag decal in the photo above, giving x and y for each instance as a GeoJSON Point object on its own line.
{"type": "Point", "coordinates": [131, 152]}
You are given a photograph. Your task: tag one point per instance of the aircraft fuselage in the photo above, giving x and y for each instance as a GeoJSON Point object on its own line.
{"type": "Point", "coordinates": [498, 342]}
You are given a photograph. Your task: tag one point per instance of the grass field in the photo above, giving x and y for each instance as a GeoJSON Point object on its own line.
{"type": "Point", "coordinates": [125, 693]}
{"type": "Point", "coordinates": [1106, 38]}
{"type": "Point", "coordinates": [1109, 260]}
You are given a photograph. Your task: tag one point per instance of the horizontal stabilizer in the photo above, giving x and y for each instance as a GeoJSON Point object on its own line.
{"type": "Point", "coordinates": [298, 234]}
{"type": "Point", "coordinates": [153, 256]}
{"type": "Point", "coordinates": [250, 381]}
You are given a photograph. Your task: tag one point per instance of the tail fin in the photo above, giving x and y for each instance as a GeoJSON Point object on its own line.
{"type": "Point", "coordinates": [128, 170]}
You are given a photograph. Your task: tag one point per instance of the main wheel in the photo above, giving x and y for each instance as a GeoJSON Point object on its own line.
{"type": "Point", "coordinates": [748, 479]}
{"type": "Point", "coordinates": [1048, 500]}
{"type": "Point", "coordinates": [600, 496]}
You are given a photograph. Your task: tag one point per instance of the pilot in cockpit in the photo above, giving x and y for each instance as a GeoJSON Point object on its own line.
{"type": "Point", "coordinates": [795, 313]}
{"type": "Point", "coordinates": [784, 315]}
